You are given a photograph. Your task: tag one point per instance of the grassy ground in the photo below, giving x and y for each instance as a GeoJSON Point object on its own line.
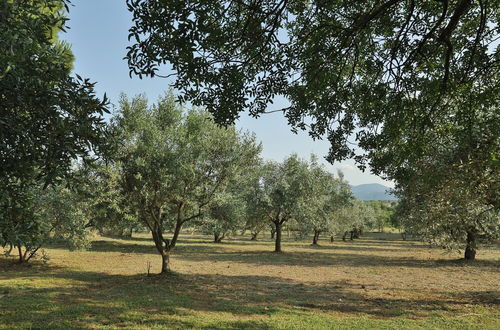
{"type": "Point", "coordinates": [378, 281]}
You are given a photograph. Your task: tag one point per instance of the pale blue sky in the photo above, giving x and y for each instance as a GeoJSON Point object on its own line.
{"type": "Point", "coordinates": [98, 35]}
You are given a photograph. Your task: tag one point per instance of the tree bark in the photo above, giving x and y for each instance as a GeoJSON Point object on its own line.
{"type": "Point", "coordinates": [277, 242]}
{"type": "Point", "coordinates": [218, 237]}
{"type": "Point", "coordinates": [316, 237]}
{"type": "Point", "coordinates": [165, 262]}
{"type": "Point", "coordinates": [470, 249]}
{"type": "Point", "coordinates": [130, 232]}
{"type": "Point", "coordinates": [254, 236]}
{"type": "Point", "coordinates": [345, 236]}
{"type": "Point", "coordinates": [273, 232]}
{"type": "Point", "coordinates": [21, 255]}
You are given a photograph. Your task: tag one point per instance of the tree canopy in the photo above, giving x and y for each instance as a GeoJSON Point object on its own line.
{"type": "Point", "coordinates": [175, 163]}
{"type": "Point", "coordinates": [384, 66]}
{"type": "Point", "coordinates": [48, 120]}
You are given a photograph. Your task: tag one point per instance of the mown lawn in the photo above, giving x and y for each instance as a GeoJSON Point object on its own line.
{"type": "Point", "coordinates": [378, 281]}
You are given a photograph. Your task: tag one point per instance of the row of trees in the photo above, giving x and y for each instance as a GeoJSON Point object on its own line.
{"type": "Point", "coordinates": [168, 168]}
{"type": "Point", "coordinates": [414, 83]}
{"type": "Point", "coordinates": [64, 170]}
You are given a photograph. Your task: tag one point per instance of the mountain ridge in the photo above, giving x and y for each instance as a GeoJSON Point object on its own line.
{"type": "Point", "coordinates": [372, 191]}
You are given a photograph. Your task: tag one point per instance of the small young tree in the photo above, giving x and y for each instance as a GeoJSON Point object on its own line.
{"type": "Point", "coordinates": [256, 219]}
{"type": "Point", "coordinates": [353, 220]}
{"type": "Point", "coordinates": [174, 164]}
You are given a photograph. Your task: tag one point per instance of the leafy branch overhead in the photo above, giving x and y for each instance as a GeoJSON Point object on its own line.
{"type": "Point", "coordinates": [386, 66]}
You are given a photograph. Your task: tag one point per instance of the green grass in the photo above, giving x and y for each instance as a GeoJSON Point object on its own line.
{"type": "Point", "coordinates": [376, 282]}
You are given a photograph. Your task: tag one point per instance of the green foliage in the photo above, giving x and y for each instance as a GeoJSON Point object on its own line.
{"type": "Point", "coordinates": [175, 164]}
{"type": "Point", "coordinates": [48, 119]}
{"type": "Point", "coordinates": [278, 194]}
{"type": "Point", "coordinates": [416, 82]}
{"type": "Point", "coordinates": [35, 216]}
{"type": "Point", "coordinates": [225, 214]}
{"type": "Point", "coordinates": [388, 67]}
{"type": "Point", "coordinates": [355, 219]}
{"type": "Point", "coordinates": [326, 197]}
{"type": "Point", "coordinates": [449, 196]}
{"type": "Point", "coordinates": [109, 210]}
{"type": "Point", "coordinates": [382, 211]}
{"type": "Point", "coordinates": [452, 203]}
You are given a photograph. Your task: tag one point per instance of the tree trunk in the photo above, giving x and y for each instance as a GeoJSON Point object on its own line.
{"type": "Point", "coordinates": [277, 245]}
{"type": "Point", "coordinates": [345, 236]}
{"type": "Point", "coordinates": [316, 237]}
{"type": "Point", "coordinates": [165, 262]}
{"type": "Point", "coordinates": [331, 239]}
{"type": "Point", "coordinates": [254, 236]}
{"type": "Point", "coordinates": [352, 235]}
{"type": "Point", "coordinates": [218, 238]}
{"type": "Point", "coordinates": [273, 232]}
{"type": "Point", "coordinates": [470, 250]}
{"type": "Point", "coordinates": [21, 255]}
{"type": "Point", "coordinates": [130, 232]}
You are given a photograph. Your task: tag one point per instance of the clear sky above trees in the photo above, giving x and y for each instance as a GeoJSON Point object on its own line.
{"type": "Point", "coordinates": [98, 36]}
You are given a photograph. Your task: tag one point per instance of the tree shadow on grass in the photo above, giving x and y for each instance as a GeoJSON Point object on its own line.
{"type": "Point", "coordinates": [327, 246]}
{"type": "Point", "coordinates": [350, 254]}
{"type": "Point", "coordinates": [56, 295]}
{"type": "Point", "coordinates": [125, 246]}
{"type": "Point", "coordinates": [335, 258]}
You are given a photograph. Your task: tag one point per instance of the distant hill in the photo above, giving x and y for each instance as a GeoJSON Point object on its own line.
{"type": "Point", "coordinates": [372, 191]}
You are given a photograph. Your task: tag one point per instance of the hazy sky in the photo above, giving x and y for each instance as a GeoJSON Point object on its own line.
{"type": "Point", "coordinates": [98, 34]}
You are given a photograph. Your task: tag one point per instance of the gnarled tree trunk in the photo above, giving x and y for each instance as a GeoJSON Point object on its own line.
{"type": "Point", "coordinates": [470, 249]}
{"type": "Point", "coordinates": [316, 237]}
{"type": "Point", "coordinates": [277, 242]}
{"type": "Point", "coordinates": [218, 237]}
{"type": "Point", "coordinates": [254, 236]}
{"type": "Point", "coordinates": [165, 262]}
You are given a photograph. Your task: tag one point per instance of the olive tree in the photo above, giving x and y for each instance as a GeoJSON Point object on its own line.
{"type": "Point", "coordinates": [225, 214]}
{"type": "Point", "coordinates": [326, 196]}
{"type": "Point", "coordinates": [401, 77]}
{"type": "Point", "coordinates": [281, 193]}
{"type": "Point", "coordinates": [174, 163]}
{"type": "Point", "coordinates": [454, 205]}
